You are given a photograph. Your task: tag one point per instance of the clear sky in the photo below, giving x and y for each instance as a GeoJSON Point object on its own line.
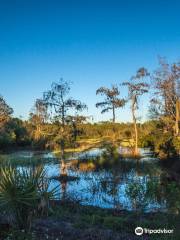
{"type": "Point", "coordinates": [92, 43]}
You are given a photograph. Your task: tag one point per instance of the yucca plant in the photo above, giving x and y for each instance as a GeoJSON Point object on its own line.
{"type": "Point", "coordinates": [21, 193]}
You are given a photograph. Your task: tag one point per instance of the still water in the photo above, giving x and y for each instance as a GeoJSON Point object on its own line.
{"type": "Point", "coordinates": [128, 184]}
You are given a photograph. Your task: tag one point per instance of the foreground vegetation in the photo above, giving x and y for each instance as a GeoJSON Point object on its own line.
{"type": "Point", "coordinates": [30, 210]}
{"type": "Point", "coordinates": [69, 220]}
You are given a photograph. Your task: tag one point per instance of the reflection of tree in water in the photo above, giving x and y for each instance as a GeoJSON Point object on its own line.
{"type": "Point", "coordinates": [140, 169]}
{"type": "Point", "coordinates": [153, 193]}
{"type": "Point", "coordinates": [136, 194]}
{"type": "Point", "coordinates": [131, 184]}
{"type": "Point", "coordinates": [64, 176]}
{"type": "Point", "coordinates": [63, 168]}
{"type": "Point", "coordinates": [146, 189]}
{"type": "Point", "coordinates": [104, 188]}
{"type": "Point", "coordinates": [63, 189]}
{"type": "Point", "coordinates": [143, 190]}
{"type": "Point", "coordinates": [170, 192]}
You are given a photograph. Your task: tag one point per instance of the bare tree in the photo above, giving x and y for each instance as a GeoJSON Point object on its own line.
{"type": "Point", "coordinates": [111, 101]}
{"type": "Point", "coordinates": [165, 104]}
{"type": "Point", "coordinates": [136, 88]}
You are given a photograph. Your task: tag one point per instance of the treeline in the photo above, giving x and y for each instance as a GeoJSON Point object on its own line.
{"type": "Point", "coordinates": [21, 134]}
{"type": "Point", "coordinates": [56, 120]}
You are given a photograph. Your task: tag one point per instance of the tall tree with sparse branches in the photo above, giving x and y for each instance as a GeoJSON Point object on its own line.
{"type": "Point", "coordinates": [62, 106]}
{"type": "Point", "coordinates": [136, 88]}
{"type": "Point", "coordinates": [111, 101]}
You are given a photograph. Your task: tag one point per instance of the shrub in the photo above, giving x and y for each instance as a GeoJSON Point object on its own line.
{"type": "Point", "coordinates": [23, 193]}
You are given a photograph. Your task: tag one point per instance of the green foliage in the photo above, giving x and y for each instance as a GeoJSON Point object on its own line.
{"type": "Point", "coordinates": [21, 194]}
{"type": "Point", "coordinates": [165, 147]}
{"type": "Point", "coordinates": [172, 192]}
{"type": "Point", "coordinates": [15, 234]}
{"type": "Point", "coordinates": [107, 159]}
{"type": "Point", "coordinates": [85, 217]}
{"type": "Point", "coordinates": [5, 112]}
{"type": "Point", "coordinates": [6, 140]}
{"type": "Point", "coordinates": [163, 142]}
{"type": "Point", "coordinates": [136, 191]}
{"type": "Point", "coordinates": [111, 100]}
{"type": "Point", "coordinates": [176, 143]}
{"type": "Point", "coordinates": [110, 152]}
{"type": "Point", "coordinates": [18, 133]}
{"type": "Point", "coordinates": [14, 134]}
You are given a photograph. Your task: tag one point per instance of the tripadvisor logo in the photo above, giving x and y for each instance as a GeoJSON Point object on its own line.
{"type": "Point", "coordinates": [139, 231]}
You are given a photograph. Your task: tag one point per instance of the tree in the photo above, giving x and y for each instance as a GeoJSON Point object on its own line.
{"type": "Point", "coordinates": [177, 116]}
{"type": "Point", "coordinates": [136, 88]}
{"type": "Point", "coordinates": [5, 111]}
{"type": "Point", "coordinates": [75, 123]}
{"type": "Point", "coordinates": [165, 104]}
{"type": "Point", "coordinates": [111, 101]}
{"type": "Point", "coordinates": [16, 128]}
{"type": "Point", "coordinates": [176, 73]}
{"type": "Point", "coordinates": [38, 118]}
{"type": "Point", "coordinates": [61, 106]}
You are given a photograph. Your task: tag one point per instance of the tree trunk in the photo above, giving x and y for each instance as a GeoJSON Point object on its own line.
{"type": "Point", "coordinates": [63, 164]}
{"type": "Point", "coordinates": [62, 148]}
{"type": "Point", "coordinates": [114, 114]}
{"type": "Point", "coordinates": [38, 132]}
{"type": "Point", "coordinates": [63, 187]}
{"type": "Point", "coordinates": [62, 145]}
{"type": "Point", "coordinates": [63, 168]}
{"type": "Point", "coordinates": [177, 116]}
{"type": "Point", "coordinates": [136, 135]}
{"type": "Point", "coordinates": [136, 152]}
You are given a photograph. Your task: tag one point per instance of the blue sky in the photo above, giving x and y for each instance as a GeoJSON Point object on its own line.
{"type": "Point", "coordinates": [91, 43]}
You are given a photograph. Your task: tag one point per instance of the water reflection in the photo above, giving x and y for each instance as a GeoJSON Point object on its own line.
{"type": "Point", "coordinates": [139, 185]}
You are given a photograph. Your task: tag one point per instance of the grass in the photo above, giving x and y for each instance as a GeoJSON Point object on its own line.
{"type": "Point", "coordinates": [122, 222]}
{"type": "Point", "coordinates": [24, 162]}
{"type": "Point", "coordinates": [84, 145]}
{"type": "Point", "coordinates": [84, 217]}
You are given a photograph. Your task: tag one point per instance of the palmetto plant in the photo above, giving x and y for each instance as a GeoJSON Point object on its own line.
{"type": "Point", "coordinates": [21, 194]}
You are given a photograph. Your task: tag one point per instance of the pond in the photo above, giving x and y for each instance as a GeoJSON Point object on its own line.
{"type": "Point", "coordinates": [127, 184]}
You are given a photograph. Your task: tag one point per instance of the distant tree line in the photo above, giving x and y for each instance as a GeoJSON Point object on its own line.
{"type": "Point", "coordinates": [56, 120]}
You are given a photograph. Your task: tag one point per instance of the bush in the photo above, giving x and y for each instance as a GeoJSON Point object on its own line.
{"type": "Point", "coordinates": [23, 194]}
{"type": "Point", "coordinates": [164, 146]}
